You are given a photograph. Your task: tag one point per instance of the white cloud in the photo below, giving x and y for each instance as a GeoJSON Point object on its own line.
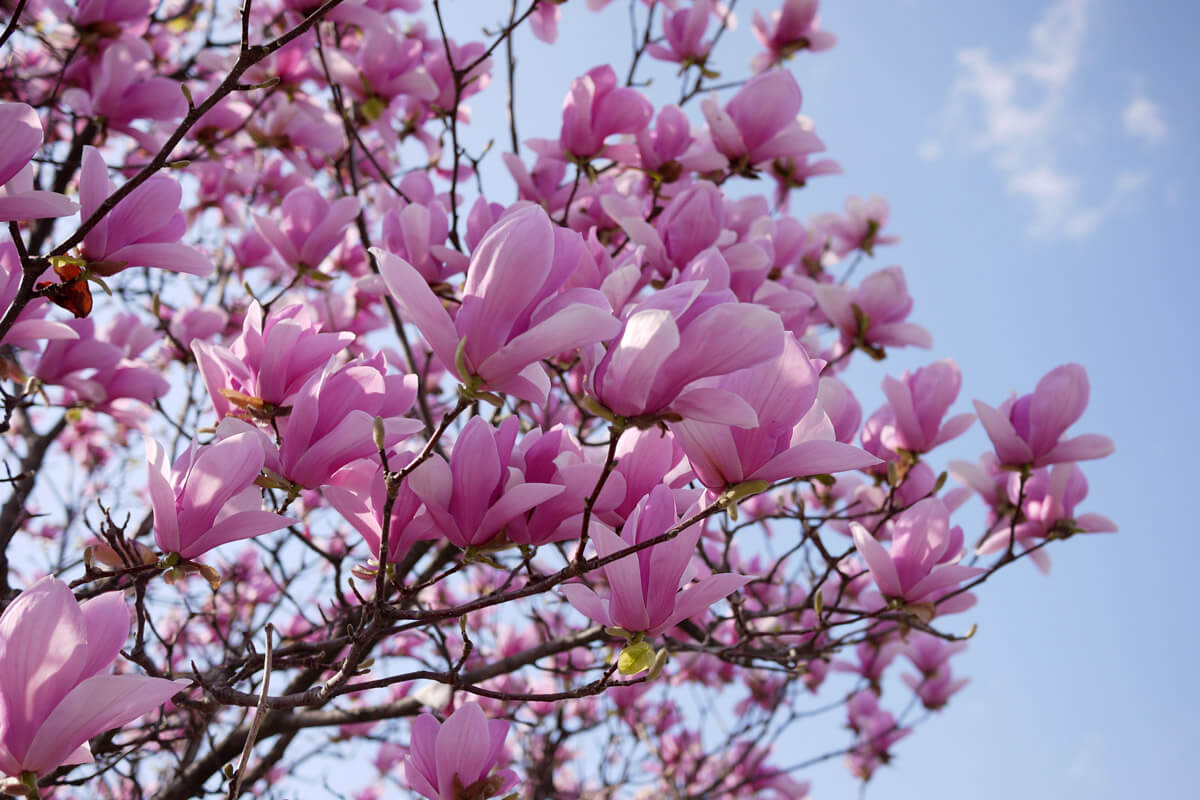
{"type": "Point", "coordinates": [1143, 120]}
{"type": "Point", "coordinates": [1014, 112]}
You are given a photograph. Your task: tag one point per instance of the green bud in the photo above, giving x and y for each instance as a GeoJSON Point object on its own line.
{"type": "Point", "coordinates": [636, 658]}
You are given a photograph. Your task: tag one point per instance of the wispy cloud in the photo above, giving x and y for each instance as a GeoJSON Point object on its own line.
{"type": "Point", "coordinates": [1144, 120]}
{"type": "Point", "coordinates": [1015, 112]}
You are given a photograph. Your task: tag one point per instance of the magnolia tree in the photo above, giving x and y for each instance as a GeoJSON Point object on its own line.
{"type": "Point", "coordinates": [321, 448]}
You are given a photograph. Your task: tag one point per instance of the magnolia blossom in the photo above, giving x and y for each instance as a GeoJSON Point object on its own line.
{"type": "Point", "coordinates": [269, 362]}
{"type": "Point", "coordinates": [597, 108]}
{"type": "Point", "coordinates": [142, 231]}
{"type": "Point", "coordinates": [208, 497]}
{"type": "Point", "coordinates": [477, 493]}
{"type": "Point", "coordinates": [1028, 429]}
{"type": "Point", "coordinates": [457, 759]}
{"type": "Point", "coordinates": [56, 686]}
{"type": "Point", "coordinates": [359, 494]}
{"type": "Point", "coordinates": [922, 564]}
{"type": "Point", "coordinates": [1048, 509]}
{"type": "Point", "coordinates": [793, 436]}
{"type": "Point", "coordinates": [514, 311]}
{"type": "Point", "coordinates": [309, 227]}
{"type": "Point", "coordinates": [883, 305]}
{"type": "Point", "coordinates": [673, 339]}
{"type": "Point", "coordinates": [792, 28]}
{"type": "Point", "coordinates": [651, 591]}
{"type": "Point", "coordinates": [919, 401]}
{"type": "Point", "coordinates": [332, 420]}
{"type": "Point", "coordinates": [760, 122]}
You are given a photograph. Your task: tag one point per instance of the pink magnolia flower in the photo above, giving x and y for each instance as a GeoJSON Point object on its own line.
{"type": "Point", "coordinates": [22, 138]}
{"type": "Point", "coordinates": [472, 498]}
{"type": "Point", "coordinates": [208, 497]}
{"type": "Point", "coordinates": [554, 458]}
{"type": "Point", "coordinates": [859, 229]}
{"type": "Point", "coordinates": [1048, 509]}
{"type": "Point", "coordinates": [1028, 429]}
{"type": "Point", "coordinates": [929, 653]}
{"type": "Point", "coordinates": [919, 402]}
{"type": "Point", "coordinates": [793, 436]}
{"type": "Point", "coordinates": [922, 563]}
{"type": "Point", "coordinates": [791, 29]}
{"type": "Point", "coordinates": [310, 227]}
{"type": "Point", "coordinates": [456, 759]}
{"type": "Point", "coordinates": [64, 360]}
{"type": "Point", "coordinates": [386, 65]}
{"type": "Point", "coordinates": [271, 360]}
{"type": "Point", "coordinates": [842, 408]}
{"type": "Point", "coordinates": [667, 148]}
{"type": "Point", "coordinates": [651, 591]}
{"type": "Point", "coordinates": [877, 729]}
{"type": "Point", "coordinates": [545, 19]}
{"type": "Point", "coordinates": [883, 300]}
{"type": "Point", "coordinates": [935, 690]}
{"type": "Point", "coordinates": [56, 686]}
{"type": "Point", "coordinates": [142, 231]}
{"type": "Point", "coordinates": [688, 225]}
{"type": "Point", "coordinates": [673, 339]}
{"type": "Point", "coordinates": [120, 86]}
{"type": "Point", "coordinates": [359, 494]}
{"type": "Point", "coordinates": [515, 310]}
{"type": "Point", "coordinates": [417, 233]}
{"type": "Point", "coordinates": [333, 416]}
{"type": "Point", "coordinates": [684, 32]}
{"type": "Point", "coordinates": [596, 109]}
{"type": "Point", "coordinates": [760, 122]}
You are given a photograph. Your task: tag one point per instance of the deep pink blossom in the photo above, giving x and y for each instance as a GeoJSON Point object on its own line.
{"type": "Point", "coordinates": [359, 494]}
{"type": "Point", "coordinates": [269, 362]}
{"type": "Point", "coordinates": [309, 228]}
{"type": "Point", "coordinates": [883, 300]}
{"type": "Point", "coordinates": [596, 109]}
{"type": "Point", "coordinates": [683, 30]}
{"type": "Point", "coordinates": [1048, 502]}
{"type": "Point", "coordinates": [333, 417]}
{"type": "Point", "coordinates": [919, 401]}
{"type": "Point", "coordinates": [471, 498]}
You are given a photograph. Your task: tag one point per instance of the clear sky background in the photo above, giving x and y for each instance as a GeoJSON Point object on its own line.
{"type": "Point", "coordinates": [1040, 161]}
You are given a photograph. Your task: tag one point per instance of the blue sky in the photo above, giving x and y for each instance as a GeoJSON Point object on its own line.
{"type": "Point", "coordinates": [1039, 163]}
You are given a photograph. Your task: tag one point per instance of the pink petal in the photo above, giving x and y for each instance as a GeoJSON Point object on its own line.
{"type": "Point", "coordinates": [698, 597]}
{"type": "Point", "coordinates": [815, 457]}
{"type": "Point", "coordinates": [107, 620]}
{"type": "Point", "coordinates": [878, 561]}
{"type": "Point", "coordinates": [98, 704]}
{"type": "Point", "coordinates": [586, 602]}
{"type": "Point", "coordinates": [1009, 446]}
{"type": "Point", "coordinates": [419, 305]}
